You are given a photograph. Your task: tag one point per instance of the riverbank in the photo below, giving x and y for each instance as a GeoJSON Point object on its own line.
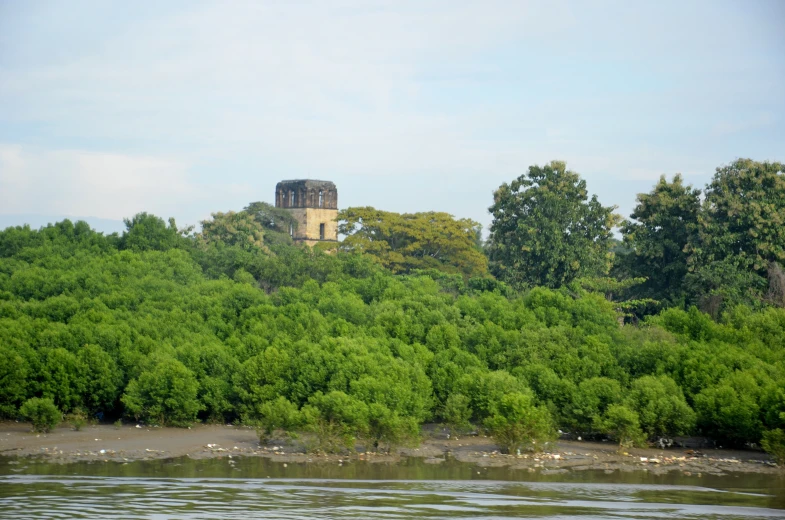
{"type": "Point", "coordinates": [135, 442]}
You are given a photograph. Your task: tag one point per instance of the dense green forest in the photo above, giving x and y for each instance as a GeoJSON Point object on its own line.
{"type": "Point", "coordinates": [678, 329]}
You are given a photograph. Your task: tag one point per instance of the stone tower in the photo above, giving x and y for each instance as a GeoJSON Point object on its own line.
{"type": "Point", "coordinates": [315, 206]}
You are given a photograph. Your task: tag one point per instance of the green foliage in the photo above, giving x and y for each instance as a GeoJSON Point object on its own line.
{"type": "Point", "coordinates": [716, 254]}
{"type": "Point", "coordinates": [163, 394]}
{"type": "Point", "coordinates": [62, 378]}
{"type": "Point", "coordinates": [102, 378]}
{"type": "Point", "coordinates": [546, 231]}
{"type": "Point", "coordinates": [336, 420]}
{"type": "Point", "coordinates": [145, 232]}
{"type": "Point", "coordinates": [388, 429]}
{"type": "Point", "coordinates": [592, 399]}
{"type": "Point", "coordinates": [279, 414]}
{"type": "Point", "coordinates": [618, 291]}
{"type": "Point", "coordinates": [13, 381]}
{"type": "Point", "coordinates": [517, 424]}
{"type": "Point", "coordinates": [177, 331]}
{"type": "Point", "coordinates": [660, 228]}
{"type": "Point", "coordinates": [773, 442]}
{"type": "Point", "coordinates": [233, 229]}
{"type": "Point", "coordinates": [486, 389]}
{"type": "Point", "coordinates": [744, 215]}
{"type": "Point", "coordinates": [721, 285]}
{"type": "Point", "coordinates": [457, 413]}
{"type": "Point", "coordinates": [660, 405]}
{"type": "Point", "coordinates": [42, 413]}
{"type": "Point", "coordinates": [739, 234]}
{"type": "Point", "coordinates": [623, 425]}
{"type": "Point", "coordinates": [77, 419]}
{"type": "Point", "coordinates": [261, 379]}
{"type": "Point", "coordinates": [257, 228]}
{"type": "Point", "coordinates": [730, 410]}
{"type": "Point", "coordinates": [411, 241]}
{"type": "Point", "coordinates": [277, 222]}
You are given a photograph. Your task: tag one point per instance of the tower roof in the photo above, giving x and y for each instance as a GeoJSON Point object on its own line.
{"type": "Point", "coordinates": [306, 193]}
{"type": "Point", "coordinates": [306, 183]}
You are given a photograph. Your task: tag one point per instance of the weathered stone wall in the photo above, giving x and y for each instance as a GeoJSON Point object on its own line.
{"type": "Point", "coordinates": [308, 221]}
{"type": "Point", "coordinates": [315, 217]}
{"type": "Point", "coordinates": [299, 215]}
{"type": "Point", "coordinates": [312, 203]}
{"type": "Point", "coordinates": [306, 194]}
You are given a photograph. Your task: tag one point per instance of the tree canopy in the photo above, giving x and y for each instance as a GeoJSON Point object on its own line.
{"type": "Point", "coordinates": [410, 241]}
{"type": "Point", "coordinates": [145, 232]}
{"type": "Point", "coordinates": [402, 324]}
{"type": "Point", "coordinates": [716, 254]}
{"type": "Point", "coordinates": [744, 215]}
{"type": "Point", "coordinates": [660, 229]}
{"type": "Point", "coordinates": [546, 231]}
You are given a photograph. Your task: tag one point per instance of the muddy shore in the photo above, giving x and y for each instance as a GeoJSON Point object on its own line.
{"type": "Point", "coordinates": [136, 442]}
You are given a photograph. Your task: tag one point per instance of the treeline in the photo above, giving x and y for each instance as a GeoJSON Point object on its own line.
{"type": "Point", "coordinates": [235, 323]}
{"type": "Point", "coordinates": [713, 248]}
{"type": "Point", "coordinates": [716, 248]}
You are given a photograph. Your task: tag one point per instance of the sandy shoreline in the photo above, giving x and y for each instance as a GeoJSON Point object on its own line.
{"type": "Point", "coordinates": [130, 443]}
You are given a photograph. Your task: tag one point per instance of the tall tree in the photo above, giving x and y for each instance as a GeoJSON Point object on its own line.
{"type": "Point", "coordinates": [721, 284]}
{"type": "Point", "coordinates": [546, 231]}
{"type": "Point", "coordinates": [404, 242]}
{"type": "Point", "coordinates": [278, 223]}
{"type": "Point", "coordinates": [660, 227]}
{"type": "Point", "coordinates": [258, 226]}
{"type": "Point", "coordinates": [741, 232]}
{"type": "Point", "coordinates": [744, 215]}
{"type": "Point", "coordinates": [145, 232]}
{"type": "Point", "coordinates": [233, 229]}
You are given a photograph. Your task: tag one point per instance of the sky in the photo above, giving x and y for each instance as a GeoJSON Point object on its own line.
{"type": "Point", "coordinates": [184, 108]}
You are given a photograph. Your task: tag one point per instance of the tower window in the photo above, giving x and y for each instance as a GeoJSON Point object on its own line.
{"type": "Point", "coordinates": [291, 199]}
{"type": "Point", "coordinates": [321, 198]}
{"type": "Point", "coordinates": [321, 231]}
{"type": "Point", "coordinates": [291, 230]}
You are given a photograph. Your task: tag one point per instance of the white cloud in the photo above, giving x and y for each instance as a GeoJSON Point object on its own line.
{"type": "Point", "coordinates": [80, 183]}
{"type": "Point", "coordinates": [314, 84]}
{"type": "Point", "coordinates": [205, 105]}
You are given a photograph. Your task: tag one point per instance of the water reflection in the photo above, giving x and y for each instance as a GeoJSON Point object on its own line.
{"type": "Point", "coordinates": [254, 487]}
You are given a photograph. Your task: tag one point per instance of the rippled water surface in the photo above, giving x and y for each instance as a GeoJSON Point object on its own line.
{"type": "Point", "coordinates": [259, 488]}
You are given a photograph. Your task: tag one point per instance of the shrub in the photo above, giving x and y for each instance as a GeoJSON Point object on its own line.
{"type": "Point", "coordinates": [336, 420]}
{"type": "Point", "coordinates": [387, 429]}
{"type": "Point", "coordinates": [42, 412]}
{"type": "Point", "coordinates": [13, 380]}
{"type": "Point", "coordinates": [457, 413]}
{"type": "Point", "coordinates": [591, 401]}
{"type": "Point", "coordinates": [77, 419]}
{"type": "Point", "coordinates": [165, 394]}
{"type": "Point", "coordinates": [660, 405]}
{"type": "Point", "coordinates": [279, 414]}
{"type": "Point", "coordinates": [773, 442]}
{"type": "Point", "coordinates": [730, 409]}
{"type": "Point", "coordinates": [622, 425]}
{"type": "Point", "coordinates": [518, 424]}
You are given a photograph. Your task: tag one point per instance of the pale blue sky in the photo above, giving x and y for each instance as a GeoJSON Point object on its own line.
{"type": "Point", "coordinates": [185, 108]}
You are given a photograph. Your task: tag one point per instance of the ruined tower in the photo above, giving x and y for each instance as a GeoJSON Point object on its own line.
{"type": "Point", "coordinates": [315, 206]}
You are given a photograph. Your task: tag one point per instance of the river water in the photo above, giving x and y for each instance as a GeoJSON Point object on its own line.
{"type": "Point", "coordinates": [248, 488]}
